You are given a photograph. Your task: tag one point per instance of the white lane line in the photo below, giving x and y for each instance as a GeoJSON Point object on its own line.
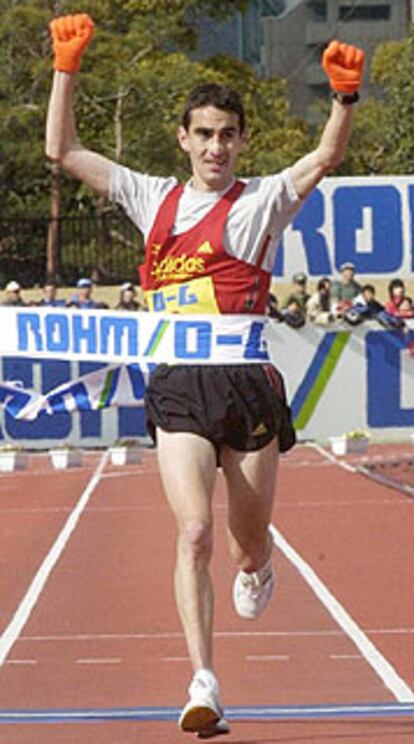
{"type": "Point", "coordinates": [266, 657]}
{"type": "Point", "coordinates": [385, 671]}
{"type": "Point", "coordinates": [110, 660]}
{"type": "Point", "coordinates": [22, 662]}
{"type": "Point", "coordinates": [24, 610]}
{"type": "Point", "coordinates": [176, 658]}
{"type": "Point", "coordinates": [218, 634]}
{"type": "Point", "coordinates": [334, 460]}
{"type": "Point", "coordinates": [344, 657]}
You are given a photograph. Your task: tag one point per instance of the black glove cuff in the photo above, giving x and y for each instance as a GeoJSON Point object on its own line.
{"type": "Point", "coordinates": [345, 98]}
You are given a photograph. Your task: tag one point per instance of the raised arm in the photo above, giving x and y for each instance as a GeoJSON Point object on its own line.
{"type": "Point", "coordinates": [71, 35]}
{"type": "Point", "coordinates": [344, 67]}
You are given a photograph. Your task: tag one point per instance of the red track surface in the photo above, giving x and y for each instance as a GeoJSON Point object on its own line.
{"type": "Point", "coordinates": [104, 632]}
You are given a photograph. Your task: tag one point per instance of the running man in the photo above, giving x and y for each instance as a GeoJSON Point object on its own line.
{"type": "Point", "coordinates": [212, 239]}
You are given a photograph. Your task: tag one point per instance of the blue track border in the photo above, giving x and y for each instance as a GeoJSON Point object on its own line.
{"type": "Point", "coordinates": [235, 713]}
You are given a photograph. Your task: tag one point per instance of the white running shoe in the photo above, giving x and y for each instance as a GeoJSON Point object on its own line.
{"type": "Point", "coordinates": [252, 591]}
{"type": "Point", "coordinates": [203, 709]}
{"type": "Point", "coordinates": [215, 729]}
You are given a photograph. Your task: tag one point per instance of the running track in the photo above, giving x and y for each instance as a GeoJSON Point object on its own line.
{"type": "Point", "coordinates": [91, 648]}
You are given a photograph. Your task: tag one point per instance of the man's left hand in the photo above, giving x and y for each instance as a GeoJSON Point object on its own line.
{"type": "Point", "coordinates": [344, 66]}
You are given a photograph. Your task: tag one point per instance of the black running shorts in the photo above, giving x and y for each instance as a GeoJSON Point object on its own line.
{"type": "Point", "coordinates": [243, 406]}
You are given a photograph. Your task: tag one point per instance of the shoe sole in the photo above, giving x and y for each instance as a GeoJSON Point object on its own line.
{"type": "Point", "coordinates": [216, 729]}
{"type": "Point", "coordinates": [198, 718]}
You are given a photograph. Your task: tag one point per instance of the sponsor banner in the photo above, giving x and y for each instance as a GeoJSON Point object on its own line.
{"type": "Point", "coordinates": [368, 221]}
{"type": "Point", "coordinates": [111, 386]}
{"type": "Point", "coordinates": [344, 379]}
{"type": "Point", "coordinates": [104, 336]}
{"type": "Point", "coordinates": [337, 380]}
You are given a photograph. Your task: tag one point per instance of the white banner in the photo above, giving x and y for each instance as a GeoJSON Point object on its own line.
{"type": "Point", "coordinates": [105, 336]}
{"type": "Point", "coordinates": [338, 379]}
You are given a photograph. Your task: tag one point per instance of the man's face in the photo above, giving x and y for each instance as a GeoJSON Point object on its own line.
{"type": "Point", "coordinates": [13, 294]}
{"type": "Point", "coordinates": [49, 292]}
{"type": "Point", "coordinates": [300, 287]}
{"type": "Point", "coordinates": [85, 293]}
{"type": "Point", "coordinates": [213, 142]}
{"type": "Point", "coordinates": [347, 275]}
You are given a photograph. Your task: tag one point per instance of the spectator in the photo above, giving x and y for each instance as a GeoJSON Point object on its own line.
{"type": "Point", "coordinates": [364, 307]}
{"type": "Point", "coordinates": [292, 314]}
{"type": "Point", "coordinates": [272, 307]}
{"type": "Point", "coordinates": [406, 308]}
{"type": "Point", "coordinates": [319, 307]}
{"type": "Point", "coordinates": [345, 289]}
{"type": "Point", "coordinates": [49, 298]}
{"type": "Point", "coordinates": [83, 297]}
{"type": "Point", "coordinates": [128, 298]}
{"type": "Point", "coordinates": [396, 294]}
{"type": "Point", "coordinates": [13, 295]}
{"type": "Point", "coordinates": [299, 292]}
{"type": "Point", "coordinates": [367, 307]}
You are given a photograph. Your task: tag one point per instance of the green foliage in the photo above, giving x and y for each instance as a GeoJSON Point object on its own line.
{"type": "Point", "coordinates": [392, 70]}
{"type": "Point", "coordinates": [135, 77]}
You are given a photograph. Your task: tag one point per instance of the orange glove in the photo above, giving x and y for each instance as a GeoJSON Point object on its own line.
{"type": "Point", "coordinates": [71, 35]}
{"type": "Point", "coordinates": [344, 65]}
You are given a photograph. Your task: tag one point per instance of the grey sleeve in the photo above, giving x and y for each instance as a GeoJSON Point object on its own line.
{"type": "Point", "coordinates": [286, 202]}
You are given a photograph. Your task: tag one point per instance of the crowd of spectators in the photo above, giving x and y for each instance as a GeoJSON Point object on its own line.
{"type": "Point", "coordinates": [81, 298]}
{"type": "Point", "coordinates": [343, 300]}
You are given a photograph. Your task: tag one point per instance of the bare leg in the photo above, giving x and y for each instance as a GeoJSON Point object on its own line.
{"type": "Point", "coordinates": [188, 469]}
{"type": "Point", "coordinates": [250, 480]}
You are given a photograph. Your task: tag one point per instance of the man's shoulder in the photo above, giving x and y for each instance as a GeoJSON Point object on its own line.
{"type": "Point", "coordinates": [125, 178]}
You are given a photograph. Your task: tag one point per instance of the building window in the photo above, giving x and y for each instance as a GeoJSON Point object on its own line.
{"type": "Point", "coordinates": [319, 9]}
{"type": "Point", "coordinates": [351, 12]}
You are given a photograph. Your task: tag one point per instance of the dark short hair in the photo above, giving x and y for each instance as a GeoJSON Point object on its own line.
{"type": "Point", "coordinates": [213, 94]}
{"type": "Point", "coordinates": [324, 282]}
{"type": "Point", "coordinates": [394, 283]}
{"type": "Point", "coordinates": [369, 288]}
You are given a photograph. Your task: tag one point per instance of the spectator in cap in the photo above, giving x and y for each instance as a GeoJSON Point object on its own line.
{"type": "Point", "coordinates": [345, 289]}
{"type": "Point", "coordinates": [12, 295]}
{"type": "Point", "coordinates": [128, 298]}
{"type": "Point", "coordinates": [83, 296]}
{"type": "Point", "coordinates": [299, 293]}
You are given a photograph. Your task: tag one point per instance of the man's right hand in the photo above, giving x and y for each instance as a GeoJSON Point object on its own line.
{"type": "Point", "coordinates": [71, 35]}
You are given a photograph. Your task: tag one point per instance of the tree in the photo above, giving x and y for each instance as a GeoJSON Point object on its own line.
{"type": "Point", "coordinates": [135, 77]}
{"type": "Point", "coordinates": [24, 79]}
{"type": "Point", "coordinates": [392, 71]}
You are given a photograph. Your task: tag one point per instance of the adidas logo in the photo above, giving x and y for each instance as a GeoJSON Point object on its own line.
{"type": "Point", "coordinates": [205, 248]}
{"type": "Point", "coordinates": [260, 429]}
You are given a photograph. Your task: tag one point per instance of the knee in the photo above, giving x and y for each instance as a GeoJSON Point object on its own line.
{"type": "Point", "coordinates": [197, 541]}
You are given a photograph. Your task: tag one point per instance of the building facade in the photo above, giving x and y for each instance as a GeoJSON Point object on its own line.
{"type": "Point", "coordinates": [286, 38]}
{"type": "Point", "coordinates": [293, 40]}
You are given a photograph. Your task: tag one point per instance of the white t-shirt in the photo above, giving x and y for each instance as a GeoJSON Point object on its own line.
{"type": "Point", "coordinates": [266, 206]}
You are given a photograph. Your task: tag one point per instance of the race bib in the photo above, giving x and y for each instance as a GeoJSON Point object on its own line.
{"type": "Point", "coordinates": [196, 296]}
